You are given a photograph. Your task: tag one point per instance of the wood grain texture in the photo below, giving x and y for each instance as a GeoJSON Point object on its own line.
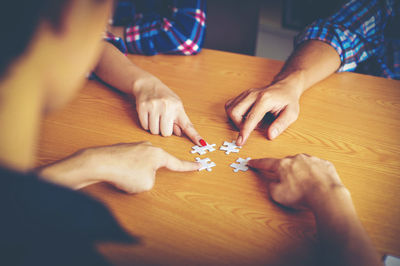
{"type": "Point", "coordinates": [221, 217]}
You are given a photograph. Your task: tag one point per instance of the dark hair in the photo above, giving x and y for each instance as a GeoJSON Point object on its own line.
{"type": "Point", "coordinates": [19, 20]}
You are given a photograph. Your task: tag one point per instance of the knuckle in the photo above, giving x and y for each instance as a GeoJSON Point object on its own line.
{"type": "Point", "coordinates": [253, 91]}
{"type": "Point", "coordinates": [265, 95]}
{"type": "Point", "coordinates": [328, 163]}
{"type": "Point", "coordinates": [251, 116]}
{"type": "Point", "coordinates": [301, 156]}
{"type": "Point", "coordinates": [152, 103]}
{"type": "Point", "coordinates": [227, 104]}
{"type": "Point", "coordinates": [285, 162]}
{"type": "Point", "coordinates": [172, 102]}
{"type": "Point", "coordinates": [165, 105]}
{"type": "Point", "coordinates": [229, 108]}
{"type": "Point", "coordinates": [142, 105]}
{"type": "Point", "coordinates": [317, 160]}
{"type": "Point", "coordinates": [230, 111]}
{"type": "Point", "coordinates": [235, 113]}
{"type": "Point", "coordinates": [164, 102]}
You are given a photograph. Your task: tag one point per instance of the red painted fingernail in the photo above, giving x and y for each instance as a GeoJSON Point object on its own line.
{"type": "Point", "coordinates": [203, 143]}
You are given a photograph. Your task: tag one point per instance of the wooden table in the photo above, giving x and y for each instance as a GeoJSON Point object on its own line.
{"type": "Point", "coordinates": [222, 217]}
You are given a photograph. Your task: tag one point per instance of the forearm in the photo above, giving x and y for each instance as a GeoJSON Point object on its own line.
{"type": "Point", "coordinates": [115, 69]}
{"type": "Point", "coordinates": [310, 63]}
{"type": "Point", "coordinates": [343, 238]}
{"type": "Point", "coordinates": [73, 171]}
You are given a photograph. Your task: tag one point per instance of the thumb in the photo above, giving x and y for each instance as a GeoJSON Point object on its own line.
{"type": "Point", "coordinates": [282, 122]}
{"type": "Point", "coordinates": [276, 193]}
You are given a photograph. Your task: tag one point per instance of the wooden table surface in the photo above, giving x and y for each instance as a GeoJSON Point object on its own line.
{"type": "Point", "coordinates": [222, 217]}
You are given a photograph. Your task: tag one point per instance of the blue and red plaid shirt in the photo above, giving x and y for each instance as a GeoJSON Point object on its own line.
{"type": "Point", "coordinates": [160, 26]}
{"type": "Point", "coordinates": [366, 35]}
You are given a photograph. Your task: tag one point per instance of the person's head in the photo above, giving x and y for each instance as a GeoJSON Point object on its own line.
{"type": "Point", "coordinates": [59, 40]}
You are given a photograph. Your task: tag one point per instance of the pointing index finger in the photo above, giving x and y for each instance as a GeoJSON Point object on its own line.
{"type": "Point", "coordinates": [174, 164]}
{"type": "Point", "coordinates": [265, 164]}
{"type": "Point", "coordinates": [253, 118]}
{"type": "Point", "coordinates": [188, 128]}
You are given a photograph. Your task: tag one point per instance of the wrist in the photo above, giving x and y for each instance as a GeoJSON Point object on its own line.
{"type": "Point", "coordinates": [142, 82]}
{"type": "Point", "coordinates": [294, 80]}
{"type": "Point", "coordinates": [73, 172]}
{"type": "Point", "coordinates": [328, 200]}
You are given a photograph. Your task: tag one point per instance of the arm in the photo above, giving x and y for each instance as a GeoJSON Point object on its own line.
{"type": "Point", "coordinates": [308, 182]}
{"type": "Point", "coordinates": [310, 63]}
{"type": "Point", "coordinates": [131, 167]}
{"type": "Point", "coordinates": [159, 109]}
{"type": "Point", "coordinates": [180, 30]}
{"type": "Point", "coordinates": [338, 43]}
{"type": "Point", "coordinates": [343, 238]}
{"type": "Point", "coordinates": [116, 69]}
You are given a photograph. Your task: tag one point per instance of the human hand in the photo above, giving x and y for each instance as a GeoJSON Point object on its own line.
{"type": "Point", "coordinates": [129, 166]}
{"type": "Point", "coordinates": [248, 109]}
{"type": "Point", "coordinates": [160, 110]}
{"type": "Point", "coordinates": [299, 181]}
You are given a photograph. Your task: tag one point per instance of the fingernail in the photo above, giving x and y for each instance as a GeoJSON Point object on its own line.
{"type": "Point", "coordinates": [239, 140]}
{"type": "Point", "coordinates": [203, 143]}
{"type": "Point", "coordinates": [274, 133]}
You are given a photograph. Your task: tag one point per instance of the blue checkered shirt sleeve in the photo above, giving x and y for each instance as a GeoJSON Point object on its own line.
{"type": "Point", "coordinates": [180, 30]}
{"type": "Point", "coordinates": [356, 32]}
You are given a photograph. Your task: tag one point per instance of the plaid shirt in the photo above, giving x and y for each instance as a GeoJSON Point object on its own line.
{"type": "Point", "coordinates": [366, 35]}
{"type": "Point", "coordinates": [160, 26]}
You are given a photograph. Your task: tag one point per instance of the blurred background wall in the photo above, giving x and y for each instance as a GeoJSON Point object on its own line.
{"type": "Point", "coordinates": [264, 28]}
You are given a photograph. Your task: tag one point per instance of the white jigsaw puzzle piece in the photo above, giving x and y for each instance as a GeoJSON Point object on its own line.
{"type": "Point", "coordinates": [391, 260]}
{"type": "Point", "coordinates": [229, 147]}
{"type": "Point", "coordinates": [206, 164]}
{"type": "Point", "coordinates": [202, 150]}
{"type": "Point", "coordinates": [241, 165]}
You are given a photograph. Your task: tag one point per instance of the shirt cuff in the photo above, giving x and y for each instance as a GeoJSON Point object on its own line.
{"type": "Point", "coordinates": [331, 35]}
{"type": "Point", "coordinates": [117, 42]}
